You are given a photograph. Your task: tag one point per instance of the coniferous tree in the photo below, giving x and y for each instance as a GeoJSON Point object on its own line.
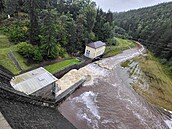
{"type": "Point", "coordinates": [48, 35]}
{"type": "Point", "coordinates": [34, 28]}
{"type": "Point", "coordinates": [2, 7]}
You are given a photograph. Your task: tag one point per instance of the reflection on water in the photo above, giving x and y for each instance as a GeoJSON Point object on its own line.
{"type": "Point", "coordinates": [108, 102]}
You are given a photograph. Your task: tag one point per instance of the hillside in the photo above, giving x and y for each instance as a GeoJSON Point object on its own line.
{"type": "Point", "coordinates": [47, 30]}
{"type": "Point", "coordinates": [77, 23]}
{"type": "Point", "coordinates": [152, 26]}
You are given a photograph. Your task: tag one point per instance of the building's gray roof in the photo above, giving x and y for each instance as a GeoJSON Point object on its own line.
{"type": "Point", "coordinates": [97, 44]}
{"type": "Point", "coordinates": [32, 81]}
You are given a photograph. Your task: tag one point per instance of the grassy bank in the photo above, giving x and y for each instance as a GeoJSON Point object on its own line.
{"type": "Point", "coordinates": [4, 42]}
{"type": "Point", "coordinates": [121, 45]}
{"type": "Point", "coordinates": [6, 47]}
{"type": "Point", "coordinates": [61, 65]}
{"type": "Point", "coordinates": [159, 80]}
{"type": "Point", "coordinates": [5, 60]}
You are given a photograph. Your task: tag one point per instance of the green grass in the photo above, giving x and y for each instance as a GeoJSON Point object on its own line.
{"type": "Point", "coordinates": [6, 47]}
{"type": "Point", "coordinates": [125, 44]}
{"type": "Point", "coordinates": [159, 79]}
{"type": "Point", "coordinates": [121, 45]}
{"type": "Point", "coordinates": [61, 65]}
{"type": "Point", "coordinates": [22, 61]}
{"type": "Point", "coordinates": [125, 64]}
{"type": "Point", "coordinates": [5, 60]}
{"type": "Point", "coordinates": [4, 42]}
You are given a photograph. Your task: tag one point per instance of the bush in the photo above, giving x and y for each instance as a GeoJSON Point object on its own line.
{"type": "Point", "coordinates": [25, 49]}
{"type": "Point", "coordinates": [37, 55]}
{"type": "Point", "coordinates": [163, 61]}
{"type": "Point", "coordinates": [111, 41]}
{"type": "Point", "coordinates": [92, 36]}
{"type": "Point", "coordinates": [17, 32]}
{"type": "Point", "coordinates": [170, 69]}
{"type": "Point", "coordinates": [62, 52]}
{"type": "Point", "coordinates": [169, 63]}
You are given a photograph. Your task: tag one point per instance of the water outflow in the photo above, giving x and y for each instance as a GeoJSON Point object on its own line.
{"type": "Point", "coordinates": [107, 100]}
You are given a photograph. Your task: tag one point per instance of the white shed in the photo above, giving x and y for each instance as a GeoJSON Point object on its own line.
{"type": "Point", "coordinates": [95, 49]}
{"type": "Point", "coordinates": [33, 81]}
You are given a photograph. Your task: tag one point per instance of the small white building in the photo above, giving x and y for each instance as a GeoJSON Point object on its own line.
{"type": "Point", "coordinates": [95, 49]}
{"type": "Point", "coordinates": [33, 81]}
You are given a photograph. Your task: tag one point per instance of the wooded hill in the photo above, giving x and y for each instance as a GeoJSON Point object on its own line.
{"type": "Point", "coordinates": [152, 26]}
{"type": "Point", "coordinates": [54, 27]}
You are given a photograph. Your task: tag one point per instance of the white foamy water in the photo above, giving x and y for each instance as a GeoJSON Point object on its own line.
{"type": "Point", "coordinates": [169, 123]}
{"type": "Point", "coordinates": [111, 62]}
{"type": "Point", "coordinates": [73, 76]}
{"type": "Point", "coordinates": [89, 100]}
{"type": "Point", "coordinates": [108, 102]}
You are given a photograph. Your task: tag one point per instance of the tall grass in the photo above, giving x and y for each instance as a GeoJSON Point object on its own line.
{"type": "Point", "coordinates": [121, 45]}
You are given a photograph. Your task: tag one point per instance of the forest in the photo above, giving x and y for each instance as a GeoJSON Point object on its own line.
{"type": "Point", "coordinates": [152, 26]}
{"type": "Point", "coordinates": [46, 29]}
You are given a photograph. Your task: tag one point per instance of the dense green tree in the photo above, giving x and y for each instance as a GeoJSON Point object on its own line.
{"type": "Point", "coordinates": [152, 26]}
{"type": "Point", "coordinates": [100, 20]}
{"type": "Point", "coordinates": [48, 34]}
{"type": "Point", "coordinates": [80, 21]}
{"type": "Point", "coordinates": [106, 31]}
{"type": "Point", "coordinates": [90, 14]}
{"type": "Point", "coordinates": [34, 28]}
{"type": "Point", "coordinates": [56, 26]}
{"type": "Point", "coordinates": [2, 7]}
{"type": "Point", "coordinates": [17, 32]}
{"type": "Point", "coordinates": [62, 32]}
{"type": "Point", "coordinates": [37, 55]}
{"type": "Point", "coordinates": [25, 49]}
{"type": "Point", "coordinates": [71, 34]}
{"type": "Point", "coordinates": [109, 17]}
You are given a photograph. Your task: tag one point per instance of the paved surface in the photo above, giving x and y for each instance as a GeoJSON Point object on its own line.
{"type": "Point", "coordinates": [3, 123]}
{"type": "Point", "coordinates": [15, 60]}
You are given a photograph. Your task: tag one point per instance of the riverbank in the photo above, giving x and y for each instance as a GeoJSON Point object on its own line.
{"type": "Point", "coordinates": [151, 80]}
{"type": "Point", "coordinates": [20, 64]}
{"type": "Point", "coordinates": [119, 47]}
{"type": "Point", "coordinates": [108, 101]}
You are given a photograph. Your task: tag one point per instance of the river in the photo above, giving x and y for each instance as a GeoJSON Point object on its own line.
{"type": "Point", "coordinates": [107, 101]}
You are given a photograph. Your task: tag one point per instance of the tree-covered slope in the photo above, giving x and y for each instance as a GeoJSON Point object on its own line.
{"type": "Point", "coordinates": [54, 27]}
{"type": "Point", "coordinates": [152, 26]}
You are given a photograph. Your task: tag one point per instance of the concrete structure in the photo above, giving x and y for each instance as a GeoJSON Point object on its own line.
{"type": "Point", "coordinates": [95, 49]}
{"type": "Point", "coordinates": [3, 123]}
{"type": "Point", "coordinates": [22, 112]}
{"type": "Point", "coordinates": [69, 82]}
{"type": "Point", "coordinates": [33, 81]}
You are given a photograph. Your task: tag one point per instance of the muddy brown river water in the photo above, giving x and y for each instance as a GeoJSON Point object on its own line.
{"type": "Point", "coordinates": [107, 101]}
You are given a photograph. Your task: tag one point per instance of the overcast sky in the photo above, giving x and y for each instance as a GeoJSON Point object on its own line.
{"type": "Point", "coordinates": [124, 5]}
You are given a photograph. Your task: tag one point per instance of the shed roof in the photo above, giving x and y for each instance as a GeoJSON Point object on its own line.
{"type": "Point", "coordinates": [32, 81]}
{"type": "Point", "coordinates": [97, 44]}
